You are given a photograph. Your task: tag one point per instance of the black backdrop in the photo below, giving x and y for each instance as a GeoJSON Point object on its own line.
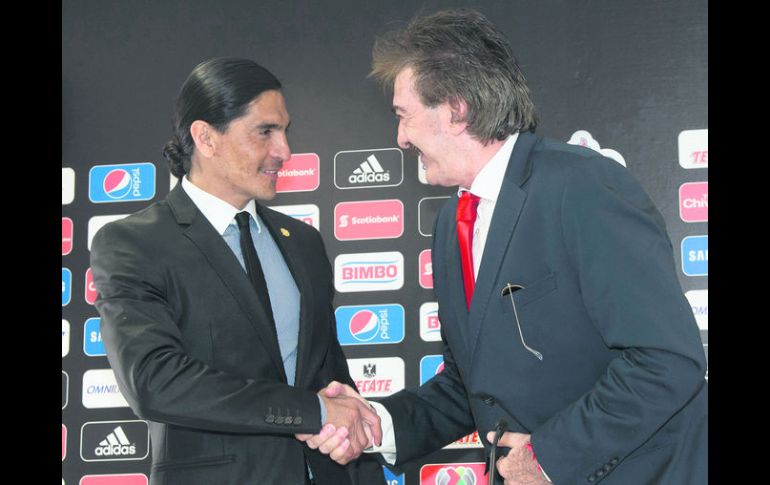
{"type": "Point", "coordinates": [633, 74]}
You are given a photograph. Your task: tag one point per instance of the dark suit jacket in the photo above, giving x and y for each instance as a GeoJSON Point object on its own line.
{"type": "Point", "coordinates": [620, 394]}
{"type": "Point", "coordinates": [196, 355]}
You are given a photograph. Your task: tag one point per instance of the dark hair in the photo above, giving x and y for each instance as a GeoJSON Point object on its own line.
{"type": "Point", "coordinates": [459, 54]}
{"type": "Point", "coordinates": [217, 91]}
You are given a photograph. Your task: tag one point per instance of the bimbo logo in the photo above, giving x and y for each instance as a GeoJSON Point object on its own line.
{"type": "Point", "coordinates": [114, 440]}
{"type": "Point", "coordinates": [121, 183]}
{"type": "Point", "coordinates": [357, 169]}
{"type": "Point", "coordinates": [377, 377]}
{"type": "Point", "coordinates": [369, 271]}
{"type": "Point", "coordinates": [300, 173]}
{"type": "Point", "coordinates": [369, 219]}
{"type": "Point", "coordinates": [694, 202]}
{"type": "Point", "coordinates": [430, 326]}
{"type": "Point", "coordinates": [307, 213]}
{"type": "Point", "coordinates": [370, 324]}
{"type": "Point", "coordinates": [430, 365]}
{"type": "Point", "coordinates": [453, 474]}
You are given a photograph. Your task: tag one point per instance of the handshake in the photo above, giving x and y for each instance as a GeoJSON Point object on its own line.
{"type": "Point", "coordinates": [352, 425]}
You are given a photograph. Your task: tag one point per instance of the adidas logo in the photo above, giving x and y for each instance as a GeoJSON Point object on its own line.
{"type": "Point", "coordinates": [115, 444]}
{"type": "Point", "coordinates": [370, 170]}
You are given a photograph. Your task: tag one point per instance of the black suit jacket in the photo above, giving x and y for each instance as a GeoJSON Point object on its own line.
{"type": "Point", "coordinates": [620, 394]}
{"type": "Point", "coordinates": [196, 355]}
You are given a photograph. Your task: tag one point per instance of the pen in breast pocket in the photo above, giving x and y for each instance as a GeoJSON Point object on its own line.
{"type": "Point", "coordinates": [509, 290]}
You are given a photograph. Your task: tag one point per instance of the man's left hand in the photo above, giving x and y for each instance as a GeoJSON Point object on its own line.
{"type": "Point", "coordinates": [520, 465]}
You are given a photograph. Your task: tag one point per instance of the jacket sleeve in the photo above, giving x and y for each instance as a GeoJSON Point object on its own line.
{"type": "Point", "coordinates": [157, 376]}
{"type": "Point", "coordinates": [617, 242]}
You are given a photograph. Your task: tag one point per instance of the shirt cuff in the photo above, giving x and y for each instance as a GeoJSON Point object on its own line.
{"type": "Point", "coordinates": [323, 410]}
{"type": "Point", "coordinates": [388, 446]}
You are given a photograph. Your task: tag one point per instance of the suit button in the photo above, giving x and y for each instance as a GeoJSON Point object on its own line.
{"type": "Point", "coordinates": [599, 473]}
{"type": "Point", "coordinates": [288, 420]}
{"type": "Point", "coordinates": [279, 420]}
{"type": "Point", "coordinates": [592, 478]}
{"type": "Point", "coordinates": [269, 418]}
{"type": "Point", "coordinates": [488, 400]}
{"type": "Point", "coordinates": [614, 461]}
{"type": "Point", "coordinates": [298, 420]}
{"type": "Point", "coordinates": [607, 467]}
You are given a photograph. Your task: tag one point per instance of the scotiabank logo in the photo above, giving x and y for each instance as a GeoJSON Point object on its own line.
{"type": "Point", "coordinates": [370, 324]}
{"type": "Point", "coordinates": [121, 183]}
{"type": "Point", "coordinates": [694, 149]}
{"type": "Point", "coordinates": [100, 390]}
{"type": "Point", "coordinates": [430, 326]}
{"type": "Point", "coordinates": [356, 169]}
{"type": "Point", "coordinates": [114, 440]}
{"type": "Point", "coordinates": [369, 219]}
{"type": "Point", "coordinates": [430, 365]}
{"type": "Point", "coordinates": [369, 271]}
{"type": "Point", "coordinates": [377, 377]}
{"type": "Point", "coordinates": [90, 288]}
{"type": "Point", "coordinates": [300, 173]}
{"type": "Point", "coordinates": [427, 210]}
{"type": "Point", "coordinates": [426, 269]}
{"type": "Point", "coordinates": [453, 474]}
{"type": "Point", "coordinates": [120, 479]}
{"type": "Point", "coordinates": [307, 213]}
{"type": "Point", "coordinates": [694, 202]}
{"type": "Point", "coordinates": [470, 441]}
{"type": "Point", "coordinates": [66, 235]}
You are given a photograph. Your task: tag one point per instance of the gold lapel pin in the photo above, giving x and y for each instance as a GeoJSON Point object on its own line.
{"type": "Point", "coordinates": [285, 232]}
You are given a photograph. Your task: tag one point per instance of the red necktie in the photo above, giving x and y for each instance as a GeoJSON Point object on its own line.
{"type": "Point", "coordinates": [466, 216]}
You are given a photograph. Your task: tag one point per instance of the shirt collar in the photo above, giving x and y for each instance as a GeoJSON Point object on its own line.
{"type": "Point", "coordinates": [219, 213]}
{"type": "Point", "coordinates": [489, 180]}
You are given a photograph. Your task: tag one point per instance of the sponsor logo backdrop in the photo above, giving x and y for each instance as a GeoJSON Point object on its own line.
{"type": "Point", "coordinates": [348, 178]}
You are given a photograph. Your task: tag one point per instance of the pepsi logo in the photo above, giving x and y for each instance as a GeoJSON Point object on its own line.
{"type": "Point", "coordinates": [364, 325]}
{"type": "Point", "coordinates": [117, 183]}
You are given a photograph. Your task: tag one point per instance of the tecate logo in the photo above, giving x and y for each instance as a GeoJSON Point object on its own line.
{"type": "Point", "coordinates": [694, 149]}
{"type": "Point", "coordinates": [121, 183]}
{"type": "Point", "coordinates": [377, 377]}
{"type": "Point", "coordinates": [470, 441]}
{"type": "Point", "coordinates": [114, 440]}
{"type": "Point", "coordinates": [369, 219]}
{"type": "Point", "coordinates": [300, 173]}
{"type": "Point", "coordinates": [370, 324]}
{"type": "Point", "coordinates": [694, 202]}
{"type": "Point", "coordinates": [356, 169]}
{"type": "Point", "coordinates": [369, 271]}
{"type": "Point", "coordinates": [453, 474]}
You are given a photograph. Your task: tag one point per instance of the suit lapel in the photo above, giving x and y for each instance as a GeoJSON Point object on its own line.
{"type": "Point", "coordinates": [510, 202]}
{"type": "Point", "coordinates": [226, 265]}
{"type": "Point", "coordinates": [292, 254]}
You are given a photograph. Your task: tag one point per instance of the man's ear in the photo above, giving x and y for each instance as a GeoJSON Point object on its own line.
{"type": "Point", "coordinates": [459, 109]}
{"type": "Point", "coordinates": [203, 136]}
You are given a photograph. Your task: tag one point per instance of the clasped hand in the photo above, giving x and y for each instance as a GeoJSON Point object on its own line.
{"type": "Point", "coordinates": [351, 425]}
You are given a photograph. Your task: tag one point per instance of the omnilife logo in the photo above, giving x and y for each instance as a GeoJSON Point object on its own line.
{"type": "Point", "coordinates": [114, 441]}
{"type": "Point", "coordinates": [355, 169]}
